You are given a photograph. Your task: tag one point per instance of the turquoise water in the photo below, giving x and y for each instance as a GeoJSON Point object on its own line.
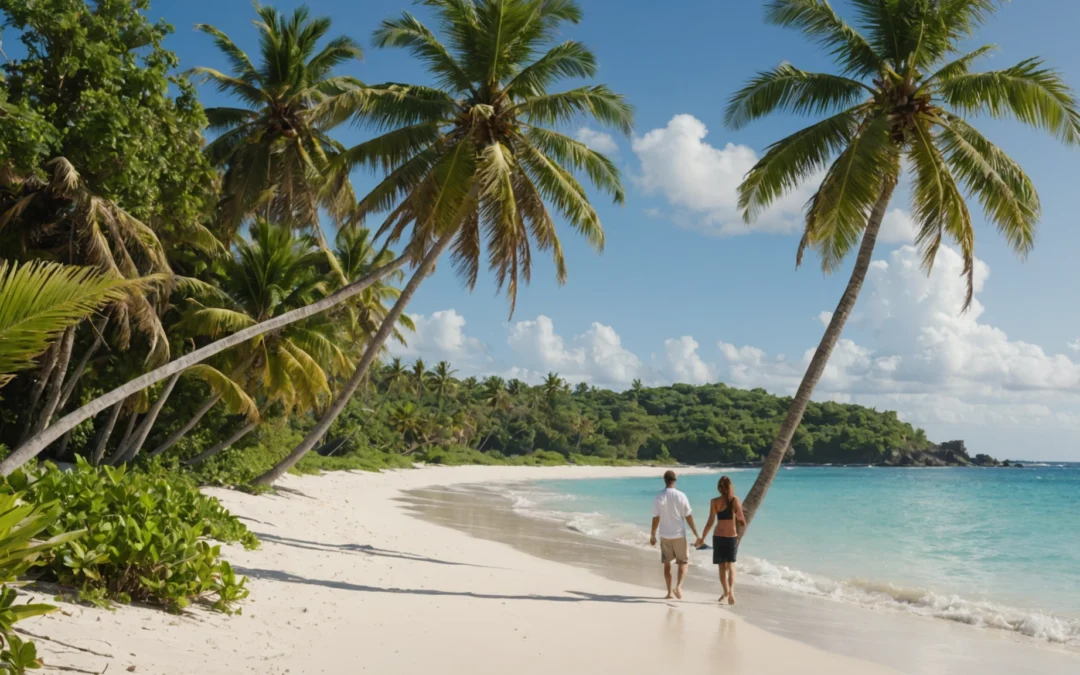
{"type": "Point", "coordinates": [990, 547]}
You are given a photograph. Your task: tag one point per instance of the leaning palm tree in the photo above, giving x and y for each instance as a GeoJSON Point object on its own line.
{"type": "Point", "coordinates": [474, 160]}
{"type": "Point", "coordinates": [900, 99]}
{"type": "Point", "coordinates": [275, 155]}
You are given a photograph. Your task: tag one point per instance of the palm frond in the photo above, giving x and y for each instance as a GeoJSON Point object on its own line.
{"type": "Point", "coordinates": [236, 399]}
{"type": "Point", "coordinates": [39, 300]}
{"type": "Point", "coordinates": [819, 22]}
{"type": "Point", "coordinates": [571, 152]}
{"type": "Point", "coordinates": [410, 33]}
{"type": "Point", "coordinates": [569, 59]}
{"type": "Point", "coordinates": [1030, 92]}
{"type": "Point", "coordinates": [790, 89]}
{"type": "Point", "coordinates": [596, 101]}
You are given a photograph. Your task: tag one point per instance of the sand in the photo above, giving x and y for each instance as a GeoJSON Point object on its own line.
{"type": "Point", "coordinates": [349, 581]}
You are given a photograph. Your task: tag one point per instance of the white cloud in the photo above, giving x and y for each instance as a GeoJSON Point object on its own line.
{"type": "Point", "coordinates": [701, 181]}
{"type": "Point", "coordinates": [441, 336]}
{"type": "Point", "coordinates": [1074, 345]}
{"type": "Point", "coordinates": [683, 362]}
{"type": "Point", "coordinates": [897, 228]}
{"type": "Point", "coordinates": [597, 140]}
{"type": "Point", "coordinates": [824, 318]}
{"type": "Point", "coordinates": [597, 356]}
{"type": "Point", "coordinates": [926, 359]}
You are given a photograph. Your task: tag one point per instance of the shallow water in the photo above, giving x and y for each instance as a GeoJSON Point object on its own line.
{"type": "Point", "coordinates": [570, 521]}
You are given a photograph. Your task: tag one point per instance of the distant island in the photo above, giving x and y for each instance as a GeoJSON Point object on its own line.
{"type": "Point", "coordinates": [438, 415]}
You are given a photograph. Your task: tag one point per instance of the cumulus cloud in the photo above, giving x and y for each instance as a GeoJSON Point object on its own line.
{"type": "Point", "coordinates": [926, 359]}
{"type": "Point", "coordinates": [701, 180]}
{"type": "Point", "coordinates": [597, 356]}
{"type": "Point", "coordinates": [597, 140]}
{"type": "Point", "coordinates": [441, 336]}
{"type": "Point", "coordinates": [684, 364]}
{"type": "Point", "coordinates": [897, 228]}
{"type": "Point", "coordinates": [1074, 345]}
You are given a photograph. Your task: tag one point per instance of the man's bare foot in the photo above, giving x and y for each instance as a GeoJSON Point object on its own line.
{"type": "Point", "coordinates": [731, 598]}
{"type": "Point", "coordinates": [678, 593]}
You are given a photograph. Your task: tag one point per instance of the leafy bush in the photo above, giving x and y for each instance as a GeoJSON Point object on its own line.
{"type": "Point", "coordinates": [458, 455]}
{"type": "Point", "coordinates": [20, 524]}
{"type": "Point", "coordinates": [146, 536]}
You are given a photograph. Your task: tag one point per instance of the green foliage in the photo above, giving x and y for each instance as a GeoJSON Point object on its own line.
{"type": "Point", "coordinates": [146, 536]}
{"type": "Point", "coordinates": [106, 88]}
{"type": "Point", "coordinates": [498, 422]}
{"type": "Point", "coordinates": [20, 524]}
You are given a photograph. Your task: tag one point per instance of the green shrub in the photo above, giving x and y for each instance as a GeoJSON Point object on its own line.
{"type": "Point", "coordinates": [146, 536]}
{"type": "Point", "coordinates": [458, 455]}
{"type": "Point", "coordinates": [20, 524]}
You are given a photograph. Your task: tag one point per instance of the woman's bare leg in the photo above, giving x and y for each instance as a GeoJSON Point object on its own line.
{"type": "Point", "coordinates": [730, 583]}
{"type": "Point", "coordinates": [723, 580]}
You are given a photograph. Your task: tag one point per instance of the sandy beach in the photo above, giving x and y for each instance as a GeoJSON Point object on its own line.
{"type": "Point", "coordinates": [348, 581]}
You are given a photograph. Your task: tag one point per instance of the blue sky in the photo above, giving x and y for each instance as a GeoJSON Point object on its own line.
{"type": "Point", "coordinates": [684, 292]}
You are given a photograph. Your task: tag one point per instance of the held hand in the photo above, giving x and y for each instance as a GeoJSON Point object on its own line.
{"type": "Point", "coordinates": [700, 542]}
{"type": "Point", "coordinates": [652, 540]}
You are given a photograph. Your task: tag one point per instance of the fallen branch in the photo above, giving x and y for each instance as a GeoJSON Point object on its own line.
{"type": "Point", "coordinates": [66, 644]}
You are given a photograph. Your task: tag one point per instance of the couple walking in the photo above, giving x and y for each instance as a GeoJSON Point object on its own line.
{"type": "Point", "coordinates": [671, 515]}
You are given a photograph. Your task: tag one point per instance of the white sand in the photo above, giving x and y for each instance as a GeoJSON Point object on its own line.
{"type": "Point", "coordinates": [348, 582]}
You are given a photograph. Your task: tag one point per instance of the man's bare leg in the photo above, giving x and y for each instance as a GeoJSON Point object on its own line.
{"type": "Point", "coordinates": [667, 578]}
{"type": "Point", "coordinates": [682, 575]}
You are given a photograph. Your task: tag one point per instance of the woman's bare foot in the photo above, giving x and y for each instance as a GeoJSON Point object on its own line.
{"type": "Point", "coordinates": [678, 592]}
{"type": "Point", "coordinates": [668, 596]}
{"type": "Point", "coordinates": [731, 598]}
{"type": "Point", "coordinates": [722, 597]}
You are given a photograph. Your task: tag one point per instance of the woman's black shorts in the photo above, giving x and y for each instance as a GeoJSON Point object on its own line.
{"type": "Point", "coordinates": [724, 549]}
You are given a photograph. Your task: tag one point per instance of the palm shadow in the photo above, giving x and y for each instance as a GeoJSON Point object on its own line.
{"type": "Point", "coordinates": [364, 549]}
{"type": "Point", "coordinates": [575, 596]}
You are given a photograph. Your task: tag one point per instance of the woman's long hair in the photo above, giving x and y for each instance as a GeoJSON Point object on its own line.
{"type": "Point", "coordinates": [725, 488]}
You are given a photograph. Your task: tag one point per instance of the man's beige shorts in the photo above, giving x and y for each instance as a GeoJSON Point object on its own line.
{"type": "Point", "coordinates": [674, 549]}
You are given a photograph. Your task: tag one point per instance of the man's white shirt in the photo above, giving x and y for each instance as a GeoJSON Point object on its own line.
{"type": "Point", "coordinates": [673, 507]}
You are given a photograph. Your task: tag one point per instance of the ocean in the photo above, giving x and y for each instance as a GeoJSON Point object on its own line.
{"type": "Point", "coordinates": [992, 548]}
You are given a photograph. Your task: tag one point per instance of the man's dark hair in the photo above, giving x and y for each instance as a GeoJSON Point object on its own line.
{"type": "Point", "coordinates": [669, 478]}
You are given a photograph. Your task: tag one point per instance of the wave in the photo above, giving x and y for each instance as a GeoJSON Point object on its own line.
{"type": "Point", "coordinates": [536, 503]}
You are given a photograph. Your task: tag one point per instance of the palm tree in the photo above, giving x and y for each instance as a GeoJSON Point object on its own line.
{"type": "Point", "coordinates": [271, 273]}
{"type": "Point", "coordinates": [477, 154]}
{"type": "Point", "coordinates": [396, 374]}
{"type": "Point", "coordinates": [553, 386]}
{"type": "Point", "coordinates": [419, 376]}
{"type": "Point", "coordinates": [899, 100]}
{"type": "Point", "coordinates": [275, 152]}
{"type": "Point", "coordinates": [442, 382]}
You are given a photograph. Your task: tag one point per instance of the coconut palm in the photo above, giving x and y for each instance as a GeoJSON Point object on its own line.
{"type": "Point", "coordinates": [474, 160]}
{"type": "Point", "coordinates": [552, 387]}
{"type": "Point", "coordinates": [275, 155]}
{"type": "Point", "coordinates": [396, 374]}
{"type": "Point", "coordinates": [441, 382]}
{"type": "Point", "coordinates": [419, 376]}
{"type": "Point", "coordinates": [899, 100]}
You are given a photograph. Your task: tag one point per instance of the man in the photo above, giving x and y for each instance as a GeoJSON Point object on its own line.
{"type": "Point", "coordinates": [670, 509]}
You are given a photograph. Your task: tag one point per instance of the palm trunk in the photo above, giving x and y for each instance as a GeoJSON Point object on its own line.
{"type": "Point", "coordinates": [122, 446]}
{"type": "Point", "coordinates": [373, 349]}
{"type": "Point", "coordinates": [151, 417]}
{"type": "Point", "coordinates": [817, 365]}
{"type": "Point", "coordinates": [222, 446]}
{"type": "Point", "coordinates": [65, 440]}
{"type": "Point", "coordinates": [103, 435]}
{"type": "Point", "coordinates": [80, 367]}
{"type": "Point", "coordinates": [182, 431]}
{"type": "Point", "coordinates": [56, 386]}
{"type": "Point", "coordinates": [48, 366]}
{"type": "Point", "coordinates": [32, 447]}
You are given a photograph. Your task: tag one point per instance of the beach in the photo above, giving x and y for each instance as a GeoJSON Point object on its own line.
{"type": "Point", "coordinates": [365, 572]}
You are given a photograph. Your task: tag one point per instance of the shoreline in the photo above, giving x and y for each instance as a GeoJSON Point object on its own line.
{"type": "Point", "coordinates": [898, 639]}
{"type": "Point", "coordinates": [349, 580]}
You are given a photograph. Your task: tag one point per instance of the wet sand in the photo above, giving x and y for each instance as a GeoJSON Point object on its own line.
{"type": "Point", "coordinates": [910, 644]}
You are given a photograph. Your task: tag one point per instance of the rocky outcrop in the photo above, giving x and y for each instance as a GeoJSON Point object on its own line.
{"type": "Point", "coordinates": [949, 453]}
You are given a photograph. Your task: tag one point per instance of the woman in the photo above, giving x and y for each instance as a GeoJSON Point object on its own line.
{"type": "Point", "coordinates": [725, 510]}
